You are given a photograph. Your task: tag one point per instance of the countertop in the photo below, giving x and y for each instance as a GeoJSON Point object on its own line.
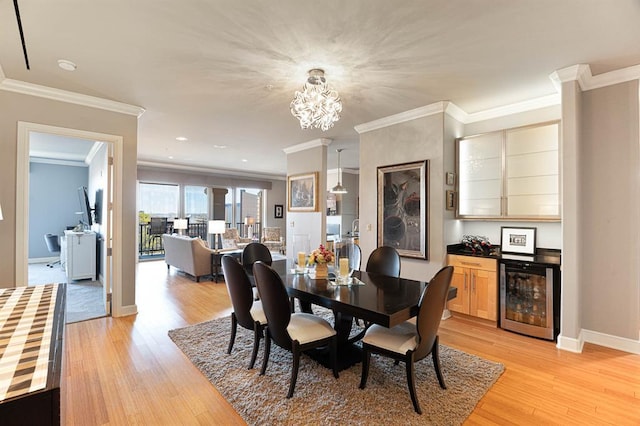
{"type": "Point", "coordinates": [543, 256]}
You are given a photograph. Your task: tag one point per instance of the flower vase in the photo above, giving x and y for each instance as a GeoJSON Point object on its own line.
{"type": "Point", "coordinates": [322, 270]}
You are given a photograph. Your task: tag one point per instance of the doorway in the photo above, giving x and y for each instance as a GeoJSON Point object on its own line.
{"type": "Point", "coordinates": [111, 213]}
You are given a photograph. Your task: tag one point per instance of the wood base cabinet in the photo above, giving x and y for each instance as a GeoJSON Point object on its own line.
{"type": "Point", "coordinates": [476, 279]}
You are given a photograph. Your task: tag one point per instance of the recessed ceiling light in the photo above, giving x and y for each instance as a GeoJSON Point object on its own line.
{"type": "Point", "coordinates": [66, 65]}
{"type": "Point", "coordinates": [181, 138]}
{"type": "Point", "coordinates": [171, 157]}
{"type": "Point", "coordinates": [220, 146]}
{"type": "Point", "coordinates": [244, 160]}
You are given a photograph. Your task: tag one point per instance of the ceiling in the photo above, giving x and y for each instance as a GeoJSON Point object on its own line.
{"type": "Point", "coordinates": [223, 73]}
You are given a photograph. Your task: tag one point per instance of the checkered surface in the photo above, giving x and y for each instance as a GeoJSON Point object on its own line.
{"type": "Point", "coordinates": [26, 321]}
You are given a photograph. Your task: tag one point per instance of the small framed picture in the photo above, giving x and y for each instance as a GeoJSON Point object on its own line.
{"type": "Point", "coordinates": [518, 240]}
{"type": "Point", "coordinates": [450, 200]}
{"type": "Point", "coordinates": [451, 178]}
{"type": "Point", "coordinates": [278, 211]}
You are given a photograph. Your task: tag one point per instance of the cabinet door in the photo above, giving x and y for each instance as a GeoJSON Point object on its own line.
{"type": "Point", "coordinates": [483, 300]}
{"type": "Point", "coordinates": [460, 280]}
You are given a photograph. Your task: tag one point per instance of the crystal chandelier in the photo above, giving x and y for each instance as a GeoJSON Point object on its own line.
{"type": "Point", "coordinates": [317, 105]}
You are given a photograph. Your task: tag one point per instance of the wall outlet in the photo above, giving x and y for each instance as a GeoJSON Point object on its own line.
{"type": "Point", "coordinates": [292, 224]}
{"type": "Point", "coordinates": [369, 227]}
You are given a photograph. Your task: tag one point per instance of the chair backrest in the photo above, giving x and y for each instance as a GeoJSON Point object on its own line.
{"type": "Point", "coordinates": [384, 260]}
{"type": "Point", "coordinates": [52, 242]}
{"type": "Point", "coordinates": [271, 233]}
{"type": "Point", "coordinates": [239, 288]}
{"type": "Point", "coordinates": [254, 252]}
{"type": "Point", "coordinates": [158, 226]}
{"type": "Point", "coordinates": [431, 306]}
{"type": "Point", "coordinates": [355, 261]}
{"type": "Point", "coordinates": [275, 303]}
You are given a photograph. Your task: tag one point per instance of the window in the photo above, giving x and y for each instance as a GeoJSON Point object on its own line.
{"type": "Point", "coordinates": [159, 200]}
{"type": "Point", "coordinates": [196, 204]}
{"type": "Point", "coordinates": [510, 174]}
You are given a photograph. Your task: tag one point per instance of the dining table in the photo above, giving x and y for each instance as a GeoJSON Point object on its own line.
{"type": "Point", "coordinates": [372, 298]}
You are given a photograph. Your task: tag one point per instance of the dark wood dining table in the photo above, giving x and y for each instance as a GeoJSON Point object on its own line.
{"type": "Point", "coordinates": [380, 299]}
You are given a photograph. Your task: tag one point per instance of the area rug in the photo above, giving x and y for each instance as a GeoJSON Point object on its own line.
{"type": "Point", "coordinates": [319, 398]}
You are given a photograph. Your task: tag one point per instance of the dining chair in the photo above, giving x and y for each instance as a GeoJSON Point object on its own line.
{"type": "Point", "coordinates": [254, 252]}
{"type": "Point", "coordinates": [384, 260]}
{"type": "Point", "coordinates": [295, 332]}
{"type": "Point", "coordinates": [409, 342]}
{"type": "Point", "coordinates": [246, 311]}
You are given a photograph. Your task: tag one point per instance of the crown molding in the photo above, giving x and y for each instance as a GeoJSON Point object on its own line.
{"type": "Point", "coordinates": [57, 162]}
{"type": "Point", "coordinates": [24, 88]}
{"type": "Point", "coordinates": [93, 152]}
{"type": "Point", "coordinates": [587, 81]}
{"type": "Point", "coordinates": [208, 171]}
{"type": "Point", "coordinates": [308, 145]}
{"type": "Point", "coordinates": [402, 117]}
{"type": "Point", "coordinates": [524, 106]}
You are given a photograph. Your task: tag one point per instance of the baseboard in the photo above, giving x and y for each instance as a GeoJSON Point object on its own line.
{"type": "Point", "coordinates": [124, 311]}
{"type": "Point", "coordinates": [569, 344]}
{"type": "Point", "coordinates": [613, 342]}
{"type": "Point", "coordinates": [43, 260]}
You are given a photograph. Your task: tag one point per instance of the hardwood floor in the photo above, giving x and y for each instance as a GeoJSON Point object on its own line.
{"type": "Point", "coordinates": [127, 370]}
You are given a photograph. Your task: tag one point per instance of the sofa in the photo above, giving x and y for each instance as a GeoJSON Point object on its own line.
{"type": "Point", "coordinates": [190, 255]}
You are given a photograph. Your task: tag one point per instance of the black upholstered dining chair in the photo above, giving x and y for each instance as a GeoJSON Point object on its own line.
{"type": "Point", "coordinates": [254, 252]}
{"type": "Point", "coordinates": [384, 260]}
{"type": "Point", "coordinates": [246, 312]}
{"type": "Point", "coordinates": [409, 342]}
{"type": "Point", "coordinates": [295, 332]}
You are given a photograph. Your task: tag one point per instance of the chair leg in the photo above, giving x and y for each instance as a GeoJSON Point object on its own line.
{"type": "Point", "coordinates": [411, 383]}
{"type": "Point", "coordinates": [435, 354]}
{"type": "Point", "coordinates": [234, 327]}
{"type": "Point", "coordinates": [267, 351]}
{"type": "Point", "coordinates": [333, 347]}
{"type": "Point", "coordinates": [366, 359]}
{"type": "Point", "coordinates": [294, 371]}
{"type": "Point", "coordinates": [257, 335]}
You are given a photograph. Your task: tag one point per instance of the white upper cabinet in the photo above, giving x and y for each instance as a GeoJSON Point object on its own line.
{"type": "Point", "coordinates": [510, 174]}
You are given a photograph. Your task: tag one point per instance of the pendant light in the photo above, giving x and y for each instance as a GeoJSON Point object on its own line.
{"type": "Point", "coordinates": [339, 189]}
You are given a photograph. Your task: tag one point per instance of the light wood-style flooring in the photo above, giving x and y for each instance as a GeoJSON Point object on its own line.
{"type": "Point", "coordinates": [120, 371]}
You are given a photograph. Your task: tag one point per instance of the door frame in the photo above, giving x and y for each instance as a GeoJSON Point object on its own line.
{"type": "Point", "coordinates": [22, 202]}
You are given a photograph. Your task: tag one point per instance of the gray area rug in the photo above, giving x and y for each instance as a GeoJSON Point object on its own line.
{"type": "Point", "coordinates": [319, 398]}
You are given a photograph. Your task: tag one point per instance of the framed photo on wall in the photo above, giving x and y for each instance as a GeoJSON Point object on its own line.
{"type": "Point", "coordinates": [302, 192]}
{"type": "Point", "coordinates": [403, 206]}
{"type": "Point", "coordinates": [278, 211]}
{"type": "Point", "coordinates": [518, 240]}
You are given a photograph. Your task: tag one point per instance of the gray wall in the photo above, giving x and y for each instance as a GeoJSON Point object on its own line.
{"type": "Point", "coordinates": [53, 201]}
{"type": "Point", "coordinates": [18, 107]}
{"type": "Point", "coordinates": [609, 210]}
{"type": "Point", "coordinates": [415, 140]}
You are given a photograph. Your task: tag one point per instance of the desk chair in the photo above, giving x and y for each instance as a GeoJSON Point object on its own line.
{"type": "Point", "coordinates": [53, 245]}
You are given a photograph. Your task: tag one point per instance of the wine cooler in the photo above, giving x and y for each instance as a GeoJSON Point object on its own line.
{"type": "Point", "coordinates": [530, 295]}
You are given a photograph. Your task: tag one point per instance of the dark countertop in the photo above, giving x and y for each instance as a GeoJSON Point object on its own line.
{"type": "Point", "coordinates": [542, 256]}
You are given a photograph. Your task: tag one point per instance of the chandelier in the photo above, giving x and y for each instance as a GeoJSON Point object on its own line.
{"type": "Point", "coordinates": [317, 105]}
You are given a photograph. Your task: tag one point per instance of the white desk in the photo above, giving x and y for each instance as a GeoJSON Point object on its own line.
{"type": "Point", "coordinates": [78, 255]}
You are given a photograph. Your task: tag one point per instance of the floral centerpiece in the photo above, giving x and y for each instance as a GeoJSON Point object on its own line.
{"type": "Point", "coordinates": [320, 257]}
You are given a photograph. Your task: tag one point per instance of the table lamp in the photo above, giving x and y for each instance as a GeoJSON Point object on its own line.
{"type": "Point", "coordinates": [249, 221]}
{"type": "Point", "coordinates": [180, 225]}
{"type": "Point", "coordinates": [216, 227]}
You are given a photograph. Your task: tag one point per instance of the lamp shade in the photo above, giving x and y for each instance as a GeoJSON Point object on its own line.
{"type": "Point", "coordinates": [249, 220]}
{"type": "Point", "coordinates": [180, 224]}
{"type": "Point", "coordinates": [217, 226]}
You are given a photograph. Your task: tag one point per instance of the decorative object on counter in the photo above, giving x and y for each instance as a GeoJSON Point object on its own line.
{"type": "Point", "coordinates": [478, 244]}
{"type": "Point", "coordinates": [403, 206]}
{"type": "Point", "coordinates": [321, 257]}
{"type": "Point", "coordinates": [518, 240]}
{"type": "Point", "coordinates": [450, 200]}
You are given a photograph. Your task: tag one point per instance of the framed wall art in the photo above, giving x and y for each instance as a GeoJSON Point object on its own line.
{"type": "Point", "coordinates": [518, 240]}
{"type": "Point", "coordinates": [278, 211]}
{"type": "Point", "coordinates": [403, 206]}
{"type": "Point", "coordinates": [302, 192]}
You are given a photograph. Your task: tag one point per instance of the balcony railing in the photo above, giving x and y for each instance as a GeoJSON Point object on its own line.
{"type": "Point", "coordinates": [150, 245]}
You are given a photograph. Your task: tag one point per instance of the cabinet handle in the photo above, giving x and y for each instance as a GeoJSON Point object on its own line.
{"type": "Point", "coordinates": [465, 280]}
{"type": "Point", "coordinates": [473, 283]}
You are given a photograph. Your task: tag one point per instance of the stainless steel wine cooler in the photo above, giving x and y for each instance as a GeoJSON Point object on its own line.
{"type": "Point", "coordinates": [530, 295]}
